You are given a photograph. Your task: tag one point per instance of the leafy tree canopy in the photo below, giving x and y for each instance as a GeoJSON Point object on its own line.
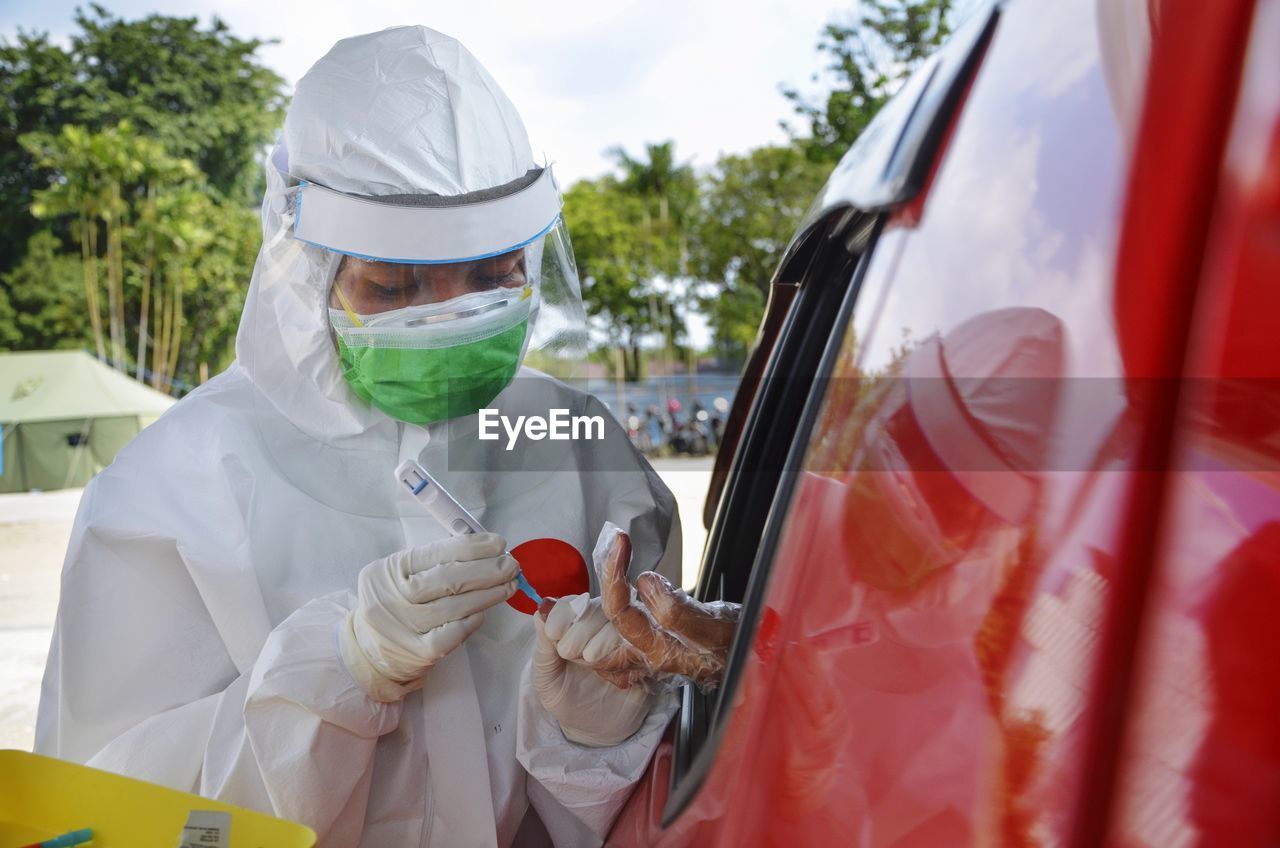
{"type": "Point", "coordinates": [200, 91]}
{"type": "Point", "coordinates": [42, 299]}
{"type": "Point", "coordinates": [129, 172]}
{"type": "Point", "coordinates": [619, 259]}
{"type": "Point", "coordinates": [751, 206]}
{"type": "Point", "coordinates": [868, 57]}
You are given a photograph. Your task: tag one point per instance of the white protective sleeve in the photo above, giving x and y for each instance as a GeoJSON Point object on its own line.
{"type": "Point", "coordinates": [306, 736]}
{"type": "Point", "coordinates": [139, 683]}
{"type": "Point", "coordinates": [591, 784]}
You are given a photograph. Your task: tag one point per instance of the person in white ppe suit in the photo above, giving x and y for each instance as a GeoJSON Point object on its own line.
{"type": "Point", "coordinates": [253, 609]}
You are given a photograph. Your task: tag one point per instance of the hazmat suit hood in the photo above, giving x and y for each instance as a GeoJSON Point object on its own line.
{"type": "Point", "coordinates": [404, 111]}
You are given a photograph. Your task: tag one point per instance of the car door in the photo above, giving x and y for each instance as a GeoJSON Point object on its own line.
{"type": "Point", "coordinates": [1198, 758]}
{"type": "Point", "coordinates": [939, 612]}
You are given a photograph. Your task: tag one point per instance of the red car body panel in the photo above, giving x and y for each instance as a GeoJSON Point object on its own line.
{"type": "Point", "coordinates": [1200, 757]}
{"type": "Point", "coordinates": [1025, 589]}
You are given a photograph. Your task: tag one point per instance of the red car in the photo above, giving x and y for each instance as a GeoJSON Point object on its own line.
{"type": "Point", "coordinates": [1000, 495]}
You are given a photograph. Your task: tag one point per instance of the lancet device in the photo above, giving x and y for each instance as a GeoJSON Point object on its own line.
{"type": "Point", "coordinates": [442, 506]}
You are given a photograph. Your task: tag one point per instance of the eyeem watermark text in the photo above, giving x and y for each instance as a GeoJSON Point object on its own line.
{"type": "Point", "coordinates": [559, 426]}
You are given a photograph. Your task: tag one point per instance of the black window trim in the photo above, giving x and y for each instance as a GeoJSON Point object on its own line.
{"type": "Point", "coordinates": [852, 236]}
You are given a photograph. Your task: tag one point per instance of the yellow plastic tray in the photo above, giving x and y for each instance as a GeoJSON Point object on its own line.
{"type": "Point", "coordinates": [41, 798]}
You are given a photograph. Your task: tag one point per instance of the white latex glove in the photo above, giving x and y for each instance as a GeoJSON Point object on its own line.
{"type": "Point", "coordinates": [417, 605]}
{"type": "Point", "coordinates": [591, 710]}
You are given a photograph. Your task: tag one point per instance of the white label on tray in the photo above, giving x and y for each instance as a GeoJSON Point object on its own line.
{"type": "Point", "coordinates": [206, 829]}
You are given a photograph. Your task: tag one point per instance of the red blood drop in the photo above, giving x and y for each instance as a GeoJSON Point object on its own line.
{"type": "Point", "coordinates": [555, 569]}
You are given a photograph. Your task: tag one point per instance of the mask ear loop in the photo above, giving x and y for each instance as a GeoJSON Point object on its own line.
{"type": "Point", "coordinates": [346, 306]}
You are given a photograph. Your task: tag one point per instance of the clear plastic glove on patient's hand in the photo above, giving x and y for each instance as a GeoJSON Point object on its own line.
{"type": "Point", "coordinates": [417, 605]}
{"type": "Point", "coordinates": [645, 637]}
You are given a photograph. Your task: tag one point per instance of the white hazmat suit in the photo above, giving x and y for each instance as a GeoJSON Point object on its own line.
{"type": "Point", "coordinates": [212, 564]}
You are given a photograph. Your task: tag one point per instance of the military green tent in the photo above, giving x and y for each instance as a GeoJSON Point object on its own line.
{"type": "Point", "coordinates": [64, 416]}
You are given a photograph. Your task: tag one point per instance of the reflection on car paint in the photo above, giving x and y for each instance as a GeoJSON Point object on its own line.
{"type": "Point", "coordinates": [1201, 756]}
{"type": "Point", "coordinates": [926, 670]}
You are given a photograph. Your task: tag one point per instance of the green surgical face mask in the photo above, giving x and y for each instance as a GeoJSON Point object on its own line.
{"type": "Point", "coordinates": [423, 364]}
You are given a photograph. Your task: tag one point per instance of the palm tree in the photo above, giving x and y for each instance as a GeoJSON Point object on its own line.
{"type": "Point", "coordinates": [163, 177]}
{"type": "Point", "coordinates": [661, 180]}
{"type": "Point", "coordinates": [671, 189]}
{"type": "Point", "coordinates": [79, 192]}
{"type": "Point", "coordinates": [104, 178]}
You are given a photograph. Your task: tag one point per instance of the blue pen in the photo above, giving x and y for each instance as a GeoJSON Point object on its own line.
{"type": "Point", "coordinates": [66, 840]}
{"type": "Point", "coordinates": [451, 514]}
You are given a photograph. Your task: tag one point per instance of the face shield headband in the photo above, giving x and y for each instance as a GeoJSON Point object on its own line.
{"type": "Point", "coordinates": [429, 229]}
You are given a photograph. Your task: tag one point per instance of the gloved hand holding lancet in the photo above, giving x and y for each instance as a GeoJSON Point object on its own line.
{"type": "Point", "coordinates": [417, 605]}
{"type": "Point", "coordinates": [591, 710]}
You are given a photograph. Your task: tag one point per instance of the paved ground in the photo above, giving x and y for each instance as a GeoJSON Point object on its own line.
{"type": "Point", "coordinates": [34, 530]}
{"type": "Point", "coordinates": [33, 537]}
{"type": "Point", "coordinates": [688, 480]}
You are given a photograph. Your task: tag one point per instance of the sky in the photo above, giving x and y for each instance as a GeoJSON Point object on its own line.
{"type": "Point", "coordinates": [585, 75]}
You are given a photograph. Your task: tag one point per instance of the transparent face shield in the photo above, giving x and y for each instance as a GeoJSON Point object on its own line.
{"type": "Point", "coordinates": [366, 293]}
{"type": "Point", "coordinates": [459, 260]}
{"type": "Point", "coordinates": [436, 302]}
{"type": "Point", "coordinates": [372, 294]}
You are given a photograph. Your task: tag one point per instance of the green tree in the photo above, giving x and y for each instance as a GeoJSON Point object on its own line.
{"type": "Point", "coordinates": [869, 58]}
{"type": "Point", "coordinates": [751, 206]}
{"type": "Point", "coordinates": [225, 241]}
{"type": "Point", "coordinates": [42, 299]}
{"type": "Point", "coordinates": [201, 92]}
{"type": "Point", "coordinates": [618, 260]}
{"type": "Point", "coordinates": [752, 203]}
{"type": "Point", "coordinates": [185, 221]}
{"type": "Point", "coordinates": [176, 254]}
{"type": "Point", "coordinates": [101, 179]}
{"type": "Point", "coordinates": [36, 84]}
{"type": "Point", "coordinates": [668, 192]}
{"type": "Point", "coordinates": [140, 150]}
